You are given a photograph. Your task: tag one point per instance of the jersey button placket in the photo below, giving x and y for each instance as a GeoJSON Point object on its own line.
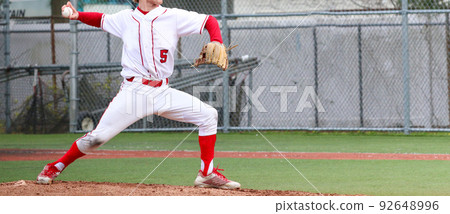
{"type": "Point", "coordinates": [147, 50]}
{"type": "Point", "coordinates": [148, 61]}
{"type": "Point", "coordinates": [152, 42]}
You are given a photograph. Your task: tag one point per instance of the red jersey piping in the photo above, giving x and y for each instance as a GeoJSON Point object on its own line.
{"type": "Point", "coordinates": [153, 43]}
{"type": "Point", "coordinates": [139, 33]}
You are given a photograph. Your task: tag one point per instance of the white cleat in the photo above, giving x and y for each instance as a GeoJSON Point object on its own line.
{"type": "Point", "coordinates": [48, 174]}
{"type": "Point", "coordinates": [215, 180]}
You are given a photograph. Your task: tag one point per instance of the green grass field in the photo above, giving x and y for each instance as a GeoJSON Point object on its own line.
{"type": "Point", "coordinates": [370, 177]}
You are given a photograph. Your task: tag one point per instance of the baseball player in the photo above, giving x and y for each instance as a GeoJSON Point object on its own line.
{"type": "Point", "coordinates": [150, 34]}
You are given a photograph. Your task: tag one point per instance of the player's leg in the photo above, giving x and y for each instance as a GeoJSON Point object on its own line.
{"type": "Point", "coordinates": [116, 118]}
{"type": "Point", "coordinates": [180, 106]}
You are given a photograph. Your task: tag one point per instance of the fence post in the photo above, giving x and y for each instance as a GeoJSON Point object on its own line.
{"type": "Point", "coordinates": [7, 35]}
{"type": "Point", "coordinates": [73, 109]}
{"type": "Point", "coordinates": [405, 55]}
{"type": "Point", "coordinates": [361, 99]}
{"type": "Point", "coordinates": [250, 85]}
{"type": "Point", "coordinates": [108, 47]}
{"type": "Point", "coordinates": [226, 87]}
{"type": "Point", "coordinates": [447, 41]}
{"type": "Point", "coordinates": [316, 76]}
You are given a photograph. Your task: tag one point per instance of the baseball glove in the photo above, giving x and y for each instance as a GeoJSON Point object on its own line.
{"type": "Point", "coordinates": [213, 53]}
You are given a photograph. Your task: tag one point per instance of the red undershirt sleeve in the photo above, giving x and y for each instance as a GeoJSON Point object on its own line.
{"type": "Point", "coordinates": [212, 26]}
{"type": "Point", "coordinates": [91, 18]}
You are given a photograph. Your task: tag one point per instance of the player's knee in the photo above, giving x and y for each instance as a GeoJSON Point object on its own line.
{"type": "Point", "coordinates": [209, 124]}
{"type": "Point", "coordinates": [90, 142]}
{"type": "Point", "coordinates": [212, 116]}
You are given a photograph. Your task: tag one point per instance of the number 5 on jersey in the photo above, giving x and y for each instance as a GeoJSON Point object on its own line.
{"type": "Point", "coordinates": [163, 55]}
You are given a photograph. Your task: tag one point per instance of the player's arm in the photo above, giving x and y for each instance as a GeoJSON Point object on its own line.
{"type": "Point", "coordinates": [89, 18]}
{"type": "Point", "coordinates": [212, 26]}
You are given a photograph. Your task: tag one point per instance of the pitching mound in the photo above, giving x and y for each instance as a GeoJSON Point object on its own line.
{"type": "Point", "coordinates": [81, 188]}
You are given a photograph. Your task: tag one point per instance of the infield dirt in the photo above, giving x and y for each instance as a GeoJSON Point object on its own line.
{"type": "Point", "coordinates": [81, 188]}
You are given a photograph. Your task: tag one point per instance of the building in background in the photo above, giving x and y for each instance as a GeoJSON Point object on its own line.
{"type": "Point", "coordinates": [103, 6]}
{"type": "Point", "coordinates": [29, 8]}
{"type": "Point", "coordinates": [284, 6]}
{"type": "Point", "coordinates": [43, 8]}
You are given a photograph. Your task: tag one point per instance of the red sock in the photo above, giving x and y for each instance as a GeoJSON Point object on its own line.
{"type": "Point", "coordinates": [71, 155]}
{"type": "Point", "coordinates": [207, 144]}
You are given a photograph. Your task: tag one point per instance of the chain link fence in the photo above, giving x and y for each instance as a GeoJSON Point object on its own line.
{"type": "Point", "coordinates": [300, 65]}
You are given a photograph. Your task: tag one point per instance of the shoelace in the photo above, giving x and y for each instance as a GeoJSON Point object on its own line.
{"type": "Point", "coordinates": [52, 170]}
{"type": "Point", "coordinates": [215, 170]}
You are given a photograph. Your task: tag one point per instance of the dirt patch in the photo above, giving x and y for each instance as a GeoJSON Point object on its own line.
{"type": "Point", "coordinates": [81, 188]}
{"type": "Point", "coordinates": [36, 154]}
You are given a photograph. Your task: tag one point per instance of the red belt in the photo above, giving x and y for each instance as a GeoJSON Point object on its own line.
{"type": "Point", "coordinates": [152, 83]}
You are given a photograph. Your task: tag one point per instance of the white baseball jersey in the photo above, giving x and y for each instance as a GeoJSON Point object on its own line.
{"type": "Point", "coordinates": [150, 40]}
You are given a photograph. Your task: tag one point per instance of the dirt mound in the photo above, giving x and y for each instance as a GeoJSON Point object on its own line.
{"type": "Point", "coordinates": [82, 188]}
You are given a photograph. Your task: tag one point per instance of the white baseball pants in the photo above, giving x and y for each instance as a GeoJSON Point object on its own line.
{"type": "Point", "coordinates": [136, 101]}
